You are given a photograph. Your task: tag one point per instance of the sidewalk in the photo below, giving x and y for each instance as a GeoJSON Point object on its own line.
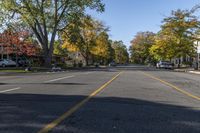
{"type": "Point", "coordinates": [188, 70]}
{"type": "Point", "coordinates": [195, 72]}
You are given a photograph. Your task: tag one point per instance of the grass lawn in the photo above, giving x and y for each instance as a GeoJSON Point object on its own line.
{"type": "Point", "coordinates": [13, 70]}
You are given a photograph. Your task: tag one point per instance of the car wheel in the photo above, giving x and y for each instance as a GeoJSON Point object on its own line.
{"type": "Point", "coordinates": [3, 65]}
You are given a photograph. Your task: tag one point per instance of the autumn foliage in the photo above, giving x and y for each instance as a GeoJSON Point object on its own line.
{"type": "Point", "coordinates": [18, 43]}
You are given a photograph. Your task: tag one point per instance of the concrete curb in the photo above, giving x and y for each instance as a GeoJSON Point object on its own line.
{"type": "Point", "coordinates": [187, 71]}
{"type": "Point", "coordinates": [194, 72]}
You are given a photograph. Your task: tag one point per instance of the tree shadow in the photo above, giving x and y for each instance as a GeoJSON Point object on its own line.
{"type": "Point", "coordinates": [43, 84]}
{"type": "Point", "coordinates": [28, 113]}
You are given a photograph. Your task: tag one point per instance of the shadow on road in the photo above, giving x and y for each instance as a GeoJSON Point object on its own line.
{"type": "Point", "coordinates": [104, 69]}
{"type": "Point", "coordinates": [27, 113]}
{"type": "Point", "coordinates": [43, 84]}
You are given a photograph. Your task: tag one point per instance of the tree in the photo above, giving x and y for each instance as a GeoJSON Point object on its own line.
{"type": "Point", "coordinates": [121, 53]}
{"type": "Point", "coordinates": [47, 17]}
{"type": "Point", "coordinates": [163, 49]}
{"type": "Point", "coordinates": [177, 36]}
{"type": "Point", "coordinates": [18, 43]}
{"type": "Point", "coordinates": [81, 36]}
{"type": "Point", "coordinates": [140, 47]}
{"type": "Point", "coordinates": [102, 50]}
{"type": "Point", "coordinates": [58, 49]}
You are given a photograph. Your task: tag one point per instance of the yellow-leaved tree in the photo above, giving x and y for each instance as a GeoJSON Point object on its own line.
{"type": "Point", "coordinates": [177, 36]}
{"type": "Point", "coordinates": [102, 50]}
{"type": "Point", "coordinates": [81, 36]}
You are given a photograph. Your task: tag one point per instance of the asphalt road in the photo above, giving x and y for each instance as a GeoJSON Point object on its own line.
{"type": "Point", "coordinates": [114, 100]}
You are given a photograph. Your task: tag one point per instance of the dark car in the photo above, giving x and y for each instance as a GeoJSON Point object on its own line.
{"type": "Point", "coordinates": [23, 62]}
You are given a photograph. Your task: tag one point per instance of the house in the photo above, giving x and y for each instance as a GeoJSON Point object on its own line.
{"type": "Point", "coordinates": [75, 58]}
{"type": "Point", "coordinates": [188, 61]}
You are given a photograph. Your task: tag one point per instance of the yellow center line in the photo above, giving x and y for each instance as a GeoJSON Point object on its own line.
{"type": "Point", "coordinates": [54, 123]}
{"type": "Point", "coordinates": [173, 86]}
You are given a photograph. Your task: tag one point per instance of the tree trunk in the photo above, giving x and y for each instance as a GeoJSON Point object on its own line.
{"type": "Point", "coordinates": [86, 60]}
{"type": "Point", "coordinates": [48, 53]}
{"type": "Point", "coordinates": [47, 60]}
{"type": "Point", "coordinates": [87, 55]}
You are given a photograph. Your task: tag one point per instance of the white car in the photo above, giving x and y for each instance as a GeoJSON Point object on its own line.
{"type": "Point", "coordinates": [164, 64]}
{"type": "Point", "coordinates": [7, 62]}
{"type": "Point", "coordinates": [55, 69]}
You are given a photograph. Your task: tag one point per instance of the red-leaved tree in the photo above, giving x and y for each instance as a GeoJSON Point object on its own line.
{"type": "Point", "coordinates": [18, 43]}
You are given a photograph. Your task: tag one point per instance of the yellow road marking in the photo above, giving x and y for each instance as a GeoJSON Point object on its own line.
{"type": "Point", "coordinates": [173, 86]}
{"type": "Point", "coordinates": [54, 123]}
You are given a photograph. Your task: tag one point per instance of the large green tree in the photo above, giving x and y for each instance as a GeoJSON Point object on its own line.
{"type": "Point", "coordinates": [47, 17]}
{"type": "Point", "coordinates": [177, 36]}
{"type": "Point", "coordinates": [121, 53]}
{"type": "Point", "coordinates": [140, 46]}
{"type": "Point", "coordinates": [58, 49]}
{"type": "Point", "coordinates": [81, 36]}
{"type": "Point", "coordinates": [102, 51]}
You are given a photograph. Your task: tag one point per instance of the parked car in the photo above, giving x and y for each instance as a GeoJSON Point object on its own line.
{"type": "Point", "coordinates": [164, 64]}
{"type": "Point", "coordinates": [7, 62]}
{"type": "Point", "coordinates": [55, 68]}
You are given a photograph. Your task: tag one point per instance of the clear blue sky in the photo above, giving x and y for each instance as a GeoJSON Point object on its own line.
{"type": "Point", "coordinates": [127, 17]}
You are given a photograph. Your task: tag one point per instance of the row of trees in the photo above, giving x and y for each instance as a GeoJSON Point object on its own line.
{"type": "Point", "coordinates": [90, 38]}
{"type": "Point", "coordinates": [175, 39]}
{"type": "Point", "coordinates": [63, 26]}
